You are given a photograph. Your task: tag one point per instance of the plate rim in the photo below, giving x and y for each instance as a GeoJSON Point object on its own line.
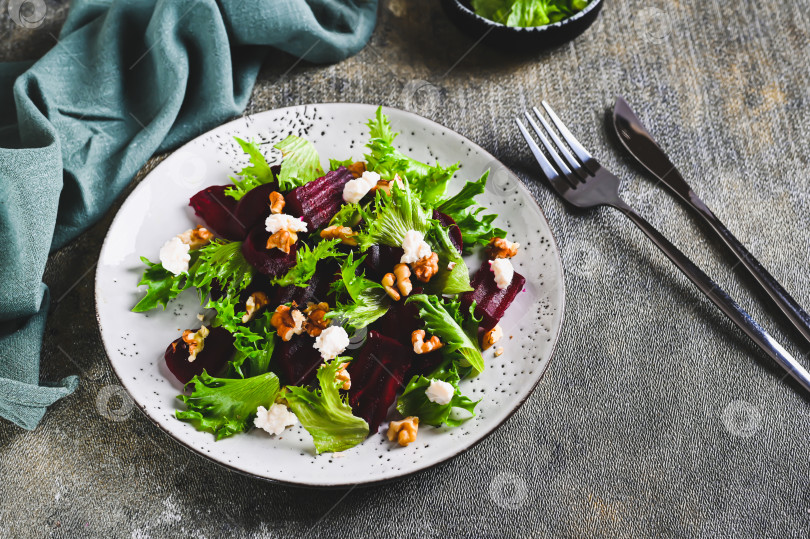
{"type": "Point", "coordinates": [555, 338]}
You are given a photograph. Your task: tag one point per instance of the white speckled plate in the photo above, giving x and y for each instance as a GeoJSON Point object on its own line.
{"type": "Point", "coordinates": [158, 209]}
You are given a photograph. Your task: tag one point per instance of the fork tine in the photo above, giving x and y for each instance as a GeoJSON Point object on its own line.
{"type": "Point", "coordinates": [552, 152]}
{"type": "Point", "coordinates": [575, 165]}
{"type": "Point", "coordinates": [548, 169]}
{"type": "Point", "coordinates": [580, 151]}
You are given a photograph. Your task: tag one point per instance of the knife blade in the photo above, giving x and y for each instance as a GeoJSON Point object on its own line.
{"type": "Point", "coordinates": [639, 143]}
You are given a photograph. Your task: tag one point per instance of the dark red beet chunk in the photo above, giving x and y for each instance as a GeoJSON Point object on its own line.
{"type": "Point", "coordinates": [218, 210]}
{"type": "Point", "coordinates": [399, 323]}
{"type": "Point", "coordinates": [318, 201]}
{"type": "Point", "coordinates": [452, 228]}
{"type": "Point", "coordinates": [381, 259]}
{"type": "Point", "coordinates": [377, 374]}
{"type": "Point", "coordinates": [272, 262]}
{"type": "Point", "coordinates": [316, 292]}
{"type": "Point", "coordinates": [217, 350]}
{"type": "Point", "coordinates": [296, 360]}
{"type": "Point", "coordinates": [491, 301]}
{"type": "Point", "coordinates": [254, 207]}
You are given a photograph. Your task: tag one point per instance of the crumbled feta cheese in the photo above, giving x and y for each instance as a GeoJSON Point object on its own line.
{"type": "Point", "coordinates": [282, 221]}
{"type": "Point", "coordinates": [332, 342]}
{"type": "Point", "coordinates": [440, 392]}
{"type": "Point", "coordinates": [503, 270]}
{"type": "Point", "coordinates": [450, 266]}
{"type": "Point", "coordinates": [174, 256]}
{"type": "Point", "coordinates": [415, 247]}
{"type": "Point", "coordinates": [274, 420]}
{"type": "Point", "coordinates": [356, 189]}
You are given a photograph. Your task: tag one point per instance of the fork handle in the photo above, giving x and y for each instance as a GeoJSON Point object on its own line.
{"type": "Point", "coordinates": [778, 294]}
{"type": "Point", "coordinates": [720, 298]}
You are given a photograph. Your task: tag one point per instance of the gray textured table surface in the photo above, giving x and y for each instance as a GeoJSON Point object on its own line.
{"type": "Point", "coordinates": [656, 417]}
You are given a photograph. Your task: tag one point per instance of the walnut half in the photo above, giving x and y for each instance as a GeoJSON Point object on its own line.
{"type": "Point", "coordinates": [197, 237]}
{"type": "Point", "coordinates": [253, 305]}
{"type": "Point", "coordinates": [357, 168]}
{"type": "Point", "coordinates": [421, 346]}
{"type": "Point", "coordinates": [195, 341]}
{"type": "Point", "coordinates": [345, 234]}
{"type": "Point", "coordinates": [502, 248]}
{"type": "Point", "coordinates": [283, 240]}
{"type": "Point", "coordinates": [277, 202]}
{"type": "Point", "coordinates": [288, 322]}
{"type": "Point", "coordinates": [316, 322]}
{"type": "Point", "coordinates": [425, 268]}
{"type": "Point", "coordinates": [404, 432]}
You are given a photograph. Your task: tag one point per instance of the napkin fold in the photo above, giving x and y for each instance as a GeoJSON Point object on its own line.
{"type": "Point", "coordinates": [126, 79]}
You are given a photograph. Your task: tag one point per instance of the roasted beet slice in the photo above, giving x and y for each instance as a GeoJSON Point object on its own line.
{"type": "Point", "coordinates": [218, 210]}
{"type": "Point", "coordinates": [318, 201]}
{"type": "Point", "coordinates": [271, 262]}
{"type": "Point", "coordinates": [317, 291]}
{"type": "Point", "coordinates": [381, 259]}
{"type": "Point", "coordinates": [297, 360]}
{"type": "Point", "coordinates": [452, 228]}
{"type": "Point", "coordinates": [377, 374]}
{"type": "Point", "coordinates": [217, 350]}
{"type": "Point", "coordinates": [401, 320]}
{"type": "Point", "coordinates": [491, 301]}
{"type": "Point", "coordinates": [253, 208]}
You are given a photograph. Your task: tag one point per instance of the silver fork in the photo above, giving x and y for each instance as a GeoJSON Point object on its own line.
{"type": "Point", "coordinates": [580, 180]}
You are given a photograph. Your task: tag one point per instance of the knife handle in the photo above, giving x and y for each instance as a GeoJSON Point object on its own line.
{"type": "Point", "coordinates": [776, 291]}
{"type": "Point", "coordinates": [721, 299]}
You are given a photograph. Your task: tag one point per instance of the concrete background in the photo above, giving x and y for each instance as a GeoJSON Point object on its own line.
{"type": "Point", "coordinates": [656, 418]}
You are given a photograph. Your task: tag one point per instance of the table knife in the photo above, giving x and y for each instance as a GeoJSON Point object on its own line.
{"type": "Point", "coordinates": [638, 141]}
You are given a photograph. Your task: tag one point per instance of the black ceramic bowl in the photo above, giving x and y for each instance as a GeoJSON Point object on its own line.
{"type": "Point", "coordinates": [520, 39]}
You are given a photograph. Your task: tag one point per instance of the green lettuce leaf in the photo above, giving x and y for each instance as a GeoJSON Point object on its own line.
{"type": "Point", "coordinates": [475, 228]}
{"type": "Point", "coordinates": [413, 400]}
{"type": "Point", "coordinates": [428, 182]}
{"type": "Point", "coordinates": [348, 215]}
{"type": "Point", "coordinates": [393, 217]}
{"type": "Point", "coordinates": [325, 414]}
{"type": "Point", "coordinates": [369, 302]}
{"type": "Point", "coordinates": [527, 12]}
{"type": "Point", "coordinates": [300, 163]}
{"type": "Point", "coordinates": [306, 261]}
{"type": "Point", "coordinates": [460, 336]}
{"type": "Point", "coordinates": [256, 174]}
{"type": "Point", "coordinates": [162, 285]}
{"type": "Point", "coordinates": [334, 164]}
{"type": "Point", "coordinates": [221, 261]}
{"type": "Point", "coordinates": [254, 341]}
{"type": "Point", "coordinates": [224, 406]}
{"type": "Point", "coordinates": [447, 281]}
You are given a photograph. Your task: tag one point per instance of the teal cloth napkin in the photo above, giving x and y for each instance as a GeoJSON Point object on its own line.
{"type": "Point", "coordinates": [127, 79]}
